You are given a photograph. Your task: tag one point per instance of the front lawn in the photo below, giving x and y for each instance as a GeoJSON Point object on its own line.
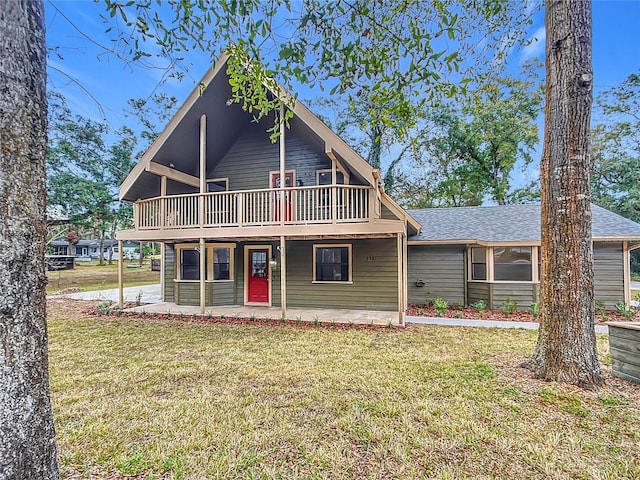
{"type": "Point", "coordinates": [88, 276]}
{"type": "Point", "coordinates": [148, 398]}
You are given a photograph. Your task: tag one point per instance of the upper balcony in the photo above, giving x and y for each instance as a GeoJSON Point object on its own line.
{"type": "Point", "coordinates": [332, 204]}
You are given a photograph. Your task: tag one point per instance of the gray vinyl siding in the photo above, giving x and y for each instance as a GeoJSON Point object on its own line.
{"type": "Point", "coordinates": [625, 354]}
{"type": "Point", "coordinates": [374, 276]}
{"type": "Point", "coordinates": [188, 293]}
{"type": "Point", "coordinates": [169, 273]}
{"type": "Point", "coordinates": [250, 159]}
{"type": "Point", "coordinates": [478, 291]}
{"type": "Point", "coordinates": [608, 269]}
{"type": "Point", "coordinates": [442, 270]}
{"type": "Point", "coordinates": [523, 293]}
{"type": "Point", "coordinates": [387, 214]}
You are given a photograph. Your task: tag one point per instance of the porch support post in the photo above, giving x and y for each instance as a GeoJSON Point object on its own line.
{"type": "Point", "coordinates": [163, 257]}
{"type": "Point", "coordinates": [281, 203]}
{"type": "Point", "coordinates": [283, 276]}
{"type": "Point", "coordinates": [120, 275]}
{"type": "Point", "coordinates": [203, 272]}
{"type": "Point", "coordinates": [400, 257]}
{"type": "Point", "coordinates": [626, 258]}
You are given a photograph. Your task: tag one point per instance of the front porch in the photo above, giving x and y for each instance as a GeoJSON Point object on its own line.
{"type": "Point", "coordinates": [343, 316]}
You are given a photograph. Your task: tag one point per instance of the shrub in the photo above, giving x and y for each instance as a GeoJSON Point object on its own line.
{"type": "Point", "coordinates": [509, 306]}
{"type": "Point", "coordinates": [625, 310]}
{"type": "Point", "coordinates": [104, 307]}
{"type": "Point", "coordinates": [441, 306]}
{"type": "Point", "coordinates": [534, 309]}
{"type": "Point", "coordinates": [600, 307]}
{"type": "Point", "coordinates": [480, 306]}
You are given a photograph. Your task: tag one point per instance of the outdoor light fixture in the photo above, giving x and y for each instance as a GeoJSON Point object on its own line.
{"type": "Point", "coordinates": [273, 263]}
{"type": "Point", "coordinates": [299, 183]}
{"type": "Point", "coordinates": [171, 165]}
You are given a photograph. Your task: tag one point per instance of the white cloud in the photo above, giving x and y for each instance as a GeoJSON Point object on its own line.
{"type": "Point", "coordinates": [536, 45]}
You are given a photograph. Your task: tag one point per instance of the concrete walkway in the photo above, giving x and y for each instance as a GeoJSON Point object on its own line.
{"type": "Point", "coordinates": [462, 322]}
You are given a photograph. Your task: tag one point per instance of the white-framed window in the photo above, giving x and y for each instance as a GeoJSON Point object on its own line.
{"type": "Point", "coordinates": [478, 263]}
{"type": "Point", "coordinates": [217, 185]}
{"type": "Point", "coordinates": [512, 264]}
{"type": "Point", "coordinates": [332, 263]}
{"type": "Point", "coordinates": [504, 263]}
{"type": "Point", "coordinates": [219, 260]}
{"type": "Point", "coordinates": [323, 177]}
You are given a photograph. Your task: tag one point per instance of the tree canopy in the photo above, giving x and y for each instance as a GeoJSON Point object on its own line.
{"type": "Point", "coordinates": [403, 52]}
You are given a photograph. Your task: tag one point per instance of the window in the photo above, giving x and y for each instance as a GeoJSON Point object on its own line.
{"type": "Point", "coordinates": [478, 263]}
{"type": "Point", "coordinates": [324, 177]}
{"type": "Point", "coordinates": [218, 185]}
{"type": "Point", "coordinates": [222, 263]}
{"type": "Point", "coordinates": [512, 263]}
{"type": "Point", "coordinates": [218, 261]}
{"type": "Point", "coordinates": [189, 264]}
{"type": "Point", "coordinates": [332, 263]}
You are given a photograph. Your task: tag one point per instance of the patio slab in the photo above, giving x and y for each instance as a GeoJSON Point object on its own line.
{"type": "Point", "coordinates": [360, 317]}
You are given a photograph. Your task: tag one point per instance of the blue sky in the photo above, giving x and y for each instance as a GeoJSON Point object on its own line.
{"type": "Point", "coordinates": [81, 69]}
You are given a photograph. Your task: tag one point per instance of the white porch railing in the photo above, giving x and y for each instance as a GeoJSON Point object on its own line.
{"type": "Point", "coordinates": [302, 205]}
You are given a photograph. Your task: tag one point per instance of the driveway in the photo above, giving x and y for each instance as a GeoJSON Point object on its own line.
{"type": "Point", "coordinates": [150, 294]}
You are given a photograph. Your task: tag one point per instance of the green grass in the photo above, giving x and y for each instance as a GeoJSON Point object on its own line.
{"type": "Point", "coordinates": [172, 399]}
{"type": "Point", "coordinates": [88, 276]}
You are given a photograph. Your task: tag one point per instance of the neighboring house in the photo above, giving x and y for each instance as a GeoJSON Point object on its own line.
{"type": "Point", "coordinates": [209, 190]}
{"type": "Point", "coordinates": [88, 249]}
{"type": "Point", "coordinates": [490, 253]}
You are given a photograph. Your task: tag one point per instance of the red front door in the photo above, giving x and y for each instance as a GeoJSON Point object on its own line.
{"type": "Point", "coordinates": [258, 276]}
{"type": "Point", "coordinates": [288, 183]}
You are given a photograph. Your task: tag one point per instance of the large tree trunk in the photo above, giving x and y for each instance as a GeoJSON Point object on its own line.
{"type": "Point", "coordinates": [566, 348]}
{"type": "Point", "coordinates": [27, 445]}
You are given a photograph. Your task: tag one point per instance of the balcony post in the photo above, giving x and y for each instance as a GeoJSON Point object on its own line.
{"type": "Point", "coordinates": [281, 203]}
{"type": "Point", "coordinates": [163, 202]}
{"type": "Point", "coordinates": [334, 191]}
{"type": "Point", "coordinates": [203, 168]}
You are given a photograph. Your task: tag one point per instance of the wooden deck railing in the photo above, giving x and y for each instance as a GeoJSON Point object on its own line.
{"type": "Point", "coordinates": [302, 205]}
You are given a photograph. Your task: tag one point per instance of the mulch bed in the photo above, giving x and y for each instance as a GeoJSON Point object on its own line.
{"type": "Point", "coordinates": [517, 316]}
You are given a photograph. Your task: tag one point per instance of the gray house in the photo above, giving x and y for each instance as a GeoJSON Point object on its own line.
{"type": "Point", "coordinates": [490, 253]}
{"type": "Point", "coordinates": [305, 222]}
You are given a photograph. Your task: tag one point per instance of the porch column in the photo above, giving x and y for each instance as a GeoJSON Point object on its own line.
{"type": "Point", "coordinates": [201, 219]}
{"type": "Point", "coordinates": [283, 276]}
{"type": "Point", "coordinates": [400, 279]}
{"type": "Point", "coordinates": [120, 275]}
{"type": "Point", "coordinates": [281, 203]}
{"type": "Point", "coordinates": [162, 267]}
{"type": "Point", "coordinates": [203, 272]}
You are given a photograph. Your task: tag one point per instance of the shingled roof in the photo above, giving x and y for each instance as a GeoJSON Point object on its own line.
{"type": "Point", "coordinates": [508, 223]}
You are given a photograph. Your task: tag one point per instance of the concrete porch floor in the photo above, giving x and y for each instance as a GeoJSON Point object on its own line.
{"type": "Point", "coordinates": [360, 317]}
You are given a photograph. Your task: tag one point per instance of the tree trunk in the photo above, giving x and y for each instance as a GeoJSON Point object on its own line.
{"type": "Point", "coordinates": [27, 438]}
{"type": "Point", "coordinates": [101, 254]}
{"type": "Point", "coordinates": [566, 349]}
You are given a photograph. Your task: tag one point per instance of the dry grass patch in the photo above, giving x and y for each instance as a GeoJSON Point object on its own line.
{"type": "Point", "coordinates": [171, 399]}
{"type": "Point", "coordinates": [89, 276]}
